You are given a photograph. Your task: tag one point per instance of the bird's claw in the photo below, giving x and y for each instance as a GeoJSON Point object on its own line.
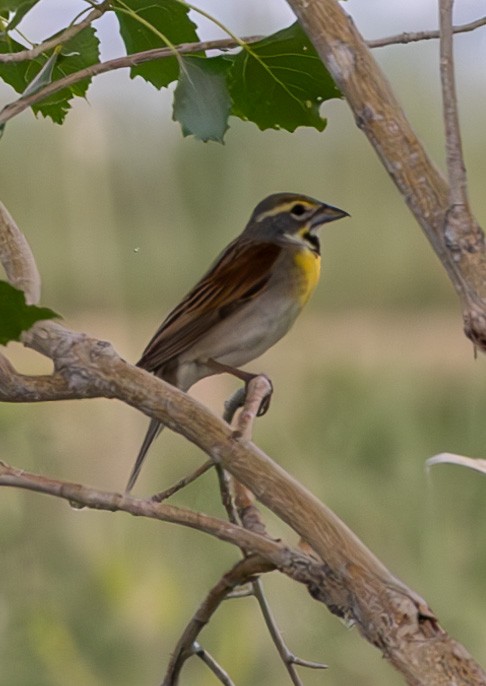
{"type": "Point", "coordinates": [265, 402]}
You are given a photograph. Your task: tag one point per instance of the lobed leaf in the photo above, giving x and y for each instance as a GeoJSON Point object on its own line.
{"type": "Point", "coordinates": [15, 73]}
{"type": "Point", "coordinates": [280, 82]}
{"type": "Point", "coordinates": [167, 18]}
{"type": "Point", "coordinates": [15, 10]}
{"type": "Point", "coordinates": [26, 77]}
{"type": "Point", "coordinates": [79, 52]}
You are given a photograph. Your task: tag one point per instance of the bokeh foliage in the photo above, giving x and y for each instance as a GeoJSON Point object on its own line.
{"type": "Point", "coordinates": [376, 377]}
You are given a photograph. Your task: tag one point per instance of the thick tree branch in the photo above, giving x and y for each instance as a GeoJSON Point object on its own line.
{"type": "Point", "coordinates": [378, 114]}
{"type": "Point", "coordinates": [20, 388]}
{"type": "Point", "coordinates": [252, 398]}
{"type": "Point", "coordinates": [350, 580]}
{"type": "Point", "coordinates": [257, 393]}
{"type": "Point", "coordinates": [463, 236]}
{"type": "Point", "coordinates": [17, 259]}
{"type": "Point", "coordinates": [457, 240]}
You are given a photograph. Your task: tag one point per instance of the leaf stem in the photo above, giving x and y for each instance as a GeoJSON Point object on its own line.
{"type": "Point", "coordinates": [125, 9]}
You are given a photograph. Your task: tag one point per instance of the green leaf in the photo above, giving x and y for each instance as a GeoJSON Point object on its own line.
{"type": "Point", "coordinates": [15, 73]}
{"type": "Point", "coordinates": [168, 18]}
{"type": "Point", "coordinates": [78, 53]}
{"type": "Point", "coordinates": [201, 100]}
{"type": "Point", "coordinates": [19, 8]}
{"type": "Point", "coordinates": [43, 77]}
{"type": "Point", "coordinates": [280, 82]}
{"type": "Point", "coordinates": [15, 315]}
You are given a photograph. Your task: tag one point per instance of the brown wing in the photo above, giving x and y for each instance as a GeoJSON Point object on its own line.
{"type": "Point", "coordinates": [241, 272]}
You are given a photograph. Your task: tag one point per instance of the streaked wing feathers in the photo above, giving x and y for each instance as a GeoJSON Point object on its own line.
{"type": "Point", "coordinates": [240, 273]}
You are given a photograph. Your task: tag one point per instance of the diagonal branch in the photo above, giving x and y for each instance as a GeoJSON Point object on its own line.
{"type": "Point", "coordinates": [377, 112]}
{"type": "Point", "coordinates": [241, 572]}
{"type": "Point", "coordinates": [288, 658]}
{"type": "Point", "coordinates": [14, 108]}
{"type": "Point", "coordinates": [63, 37]}
{"type": "Point", "coordinates": [215, 668]}
{"type": "Point", "coordinates": [182, 483]}
{"type": "Point", "coordinates": [82, 496]}
{"type": "Point", "coordinates": [243, 508]}
{"type": "Point", "coordinates": [348, 578]}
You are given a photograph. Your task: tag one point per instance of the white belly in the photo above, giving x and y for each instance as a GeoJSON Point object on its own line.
{"type": "Point", "coordinates": [243, 337]}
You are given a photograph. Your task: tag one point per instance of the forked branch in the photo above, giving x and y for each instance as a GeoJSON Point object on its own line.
{"type": "Point", "coordinates": [461, 250]}
{"type": "Point", "coordinates": [242, 572]}
{"type": "Point", "coordinates": [347, 577]}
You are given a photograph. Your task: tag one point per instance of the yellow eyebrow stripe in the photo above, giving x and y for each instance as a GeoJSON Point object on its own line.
{"type": "Point", "coordinates": [284, 207]}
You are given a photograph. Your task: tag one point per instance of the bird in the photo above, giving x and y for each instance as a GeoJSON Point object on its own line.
{"type": "Point", "coordinates": [247, 300]}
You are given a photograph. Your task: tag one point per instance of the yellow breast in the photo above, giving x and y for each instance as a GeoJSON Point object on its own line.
{"type": "Point", "coordinates": [309, 266]}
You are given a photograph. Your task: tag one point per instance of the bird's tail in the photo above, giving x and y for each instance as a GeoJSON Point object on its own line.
{"type": "Point", "coordinates": [155, 427]}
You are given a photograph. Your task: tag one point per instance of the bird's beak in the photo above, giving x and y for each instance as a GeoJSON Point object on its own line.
{"type": "Point", "coordinates": [326, 214]}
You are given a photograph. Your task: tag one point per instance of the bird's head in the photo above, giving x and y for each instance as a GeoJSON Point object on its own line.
{"type": "Point", "coordinates": [290, 217]}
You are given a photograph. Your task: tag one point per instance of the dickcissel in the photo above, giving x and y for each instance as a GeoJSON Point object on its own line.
{"type": "Point", "coordinates": [246, 302]}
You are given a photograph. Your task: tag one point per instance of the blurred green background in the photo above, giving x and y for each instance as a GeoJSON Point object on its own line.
{"type": "Point", "coordinates": [123, 215]}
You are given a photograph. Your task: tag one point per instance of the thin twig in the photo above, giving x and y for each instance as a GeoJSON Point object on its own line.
{"type": "Point", "coordinates": [413, 37]}
{"type": "Point", "coordinates": [182, 483]}
{"type": "Point", "coordinates": [287, 656]}
{"type": "Point", "coordinates": [456, 169]}
{"type": "Point", "coordinates": [22, 103]}
{"type": "Point", "coordinates": [63, 37]}
{"type": "Point", "coordinates": [256, 393]}
{"type": "Point", "coordinates": [239, 574]}
{"type": "Point", "coordinates": [225, 481]}
{"type": "Point", "coordinates": [476, 463]}
{"type": "Point", "coordinates": [214, 666]}
{"type": "Point", "coordinates": [82, 496]}
{"type": "Point", "coordinates": [13, 109]}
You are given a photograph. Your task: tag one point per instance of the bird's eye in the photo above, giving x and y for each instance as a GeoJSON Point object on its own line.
{"type": "Point", "coordinates": [298, 210]}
